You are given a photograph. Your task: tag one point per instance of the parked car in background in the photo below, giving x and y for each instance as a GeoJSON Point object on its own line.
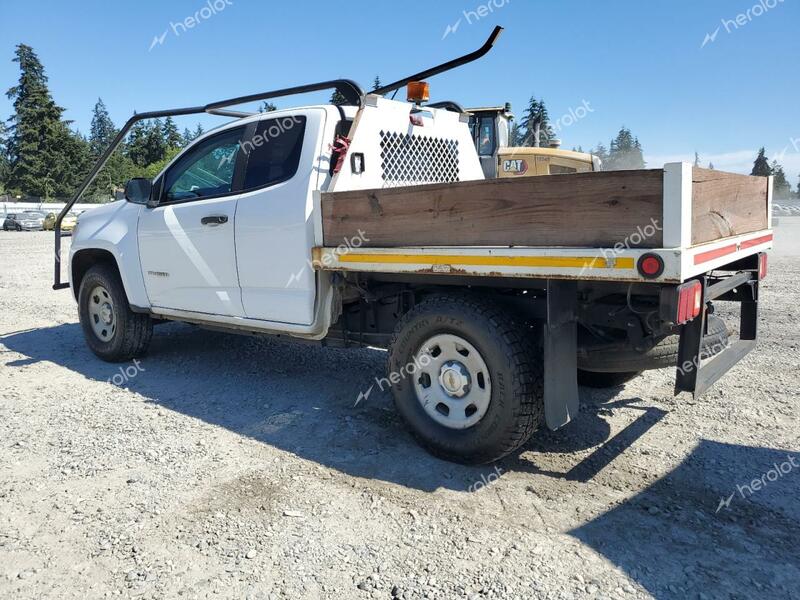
{"type": "Point", "coordinates": [67, 224]}
{"type": "Point", "coordinates": [28, 220]}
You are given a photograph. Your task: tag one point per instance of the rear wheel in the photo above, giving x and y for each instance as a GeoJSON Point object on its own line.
{"type": "Point", "coordinates": [465, 380]}
{"type": "Point", "coordinates": [112, 330]}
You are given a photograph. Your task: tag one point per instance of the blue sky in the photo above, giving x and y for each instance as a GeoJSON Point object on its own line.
{"type": "Point", "coordinates": [632, 62]}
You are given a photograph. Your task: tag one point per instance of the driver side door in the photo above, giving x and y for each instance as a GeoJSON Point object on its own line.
{"type": "Point", "coordinates": [186, 243]}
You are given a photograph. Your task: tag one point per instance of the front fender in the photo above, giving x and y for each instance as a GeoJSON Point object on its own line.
{"type": "Point", "coordinates": [112, 228]}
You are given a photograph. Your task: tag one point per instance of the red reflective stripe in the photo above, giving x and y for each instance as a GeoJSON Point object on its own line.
{"type": "Point", "coordinates": [712, 254]}
{"type": "Point", "coordinates": [725, 250]}
{"type": "Point", "coordinates": [757, 241]}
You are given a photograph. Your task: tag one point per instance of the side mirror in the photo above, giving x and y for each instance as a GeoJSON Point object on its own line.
{"type": "Point", "coordinates": [138, 190]}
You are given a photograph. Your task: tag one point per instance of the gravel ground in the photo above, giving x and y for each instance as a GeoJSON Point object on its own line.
{"type": "Point", "coordinates": [229, 466]}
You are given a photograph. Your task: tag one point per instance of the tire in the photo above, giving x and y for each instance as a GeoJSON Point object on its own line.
{"type": "Point", "coordinates": [501, 374]}
{"type": "Point", "coordinates": [605, 380]}
{"type": "Point", "coordinates": [126, 334]}
{"type": "Point", "coordinates": [662, 355]}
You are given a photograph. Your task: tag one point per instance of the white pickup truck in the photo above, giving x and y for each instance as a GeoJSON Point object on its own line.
{"type": "Point", "coordinates": [292, 223]}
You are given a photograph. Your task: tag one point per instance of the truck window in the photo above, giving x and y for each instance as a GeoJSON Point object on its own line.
{"type": "Point", "coordinates": [206, 170]}
{"type": "Point", "coordinates": [273, 152]}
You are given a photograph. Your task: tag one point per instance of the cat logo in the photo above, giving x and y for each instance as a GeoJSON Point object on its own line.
{"type": "Point", "coordinates": [517, 166]}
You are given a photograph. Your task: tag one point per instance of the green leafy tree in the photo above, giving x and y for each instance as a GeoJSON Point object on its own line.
{"type": "Point", "coordinates": [40, 144]}
{"type": "Point", "coordinates": [625, 152]}
{"type": "Point", "coordinates": [170, 134]}
{"type": "Point", "coordinates": [761, 166]}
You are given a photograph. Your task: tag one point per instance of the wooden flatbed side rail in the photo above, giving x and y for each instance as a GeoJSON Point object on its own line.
{"type": "Point", "coordinates": [596, 210]}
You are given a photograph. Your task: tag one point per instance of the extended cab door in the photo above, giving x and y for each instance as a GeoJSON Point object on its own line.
{"type": "Point", "coordinates": [274, 230]}
{"type": "Point", "coordinates": [186, 243]}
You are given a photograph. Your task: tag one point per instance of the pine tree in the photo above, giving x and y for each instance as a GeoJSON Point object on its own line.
{"type": "Point", "coordinates": [376, 84]}
{"type": "Point", "coordinates": [761, 166]}
{"type": "Point", "coordinates": [337, 98]}
{"type": "Point", "coordinates": [4, 164]}
{"type": "Point", "coordinates": [186, 137]}
{"type": "Point", "coordinates": [696, 159]}
{"type": "Point", "coordinates": [516, 136]}
{"type": "Point", "coordinates": [198, 131]}
{"type": "Point", "coordinates": [170, 135]}
{"type": "Point", "coordinates": [601, 152]}
{"type": "Point", "coordinates": [102, 132]}
{"type": "Point", "coordinates": [625, 153]}
{"type": "Point", "coordinates": [781, 187]}
{"type": "Point", "coordinates": [40, 142]}
{"type": "Point", "coordinates": [536, 114]}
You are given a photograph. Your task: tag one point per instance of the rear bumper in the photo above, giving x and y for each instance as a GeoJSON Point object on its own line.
{"type": "Point", "coordinates": [696, 375]}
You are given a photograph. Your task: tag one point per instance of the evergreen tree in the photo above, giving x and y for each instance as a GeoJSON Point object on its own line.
{"type": "Point", "coordinates": [198, 131]}
{"type": "Point", "coordinates": [267, 107]}
{"type": "Point", "coordinates": [186, 136]}
{"type": "Point", "coordinates": [4, 164]}
{"type": "Point", "coordinates": [781, 187]}
{"type": "Point", "coordinates": [40, 142]}
{"type": "Point", "coordinates": [625, 152]}
{"type": "Point", "coordinates": [337, 98]}
{"type": "Point", "coordinates": [601, 152]}
{"type": "Point", "coordinates": [136, 149]}
{"type": "Point", "coordinates": [376, 83]}
{"type": "Point", "coordinates": [102, 132]}
{"type": "Point", "coordinates": [169, 132]}
{"type": "Point", "coordinates": [761, 166]}
{"type": "Point", "coordinates": [536, 114]}
{"type": "Point", "coordinates": [696, 159]}
{"type": "Point", "coordinates": [516, 136]}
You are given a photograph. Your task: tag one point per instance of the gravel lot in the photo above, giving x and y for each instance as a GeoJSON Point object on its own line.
{"type": "Point", "coordinates": [228, 466]}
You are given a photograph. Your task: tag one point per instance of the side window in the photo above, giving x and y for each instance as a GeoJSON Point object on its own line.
{"type": "Point", "coordinates": [486, 136]}
{"type": "Point", "coordinates": [206, 170]}
{"type": "Point", "coordinates": [273, 151]}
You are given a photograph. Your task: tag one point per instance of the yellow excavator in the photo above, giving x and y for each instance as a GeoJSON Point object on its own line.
{"type": "Point", "coordinates": [491, 131]}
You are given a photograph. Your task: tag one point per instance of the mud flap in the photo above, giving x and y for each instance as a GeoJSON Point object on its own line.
{"type": "Point", "coordinates": [561, 402]}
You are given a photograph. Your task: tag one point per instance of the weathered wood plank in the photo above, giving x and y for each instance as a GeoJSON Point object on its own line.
{"type": "Point", "coordinates": [576, 210]}
{"type": "Point", "coordinates": [727, 204]}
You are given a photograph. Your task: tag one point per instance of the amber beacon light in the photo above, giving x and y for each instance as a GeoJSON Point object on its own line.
{"type": "Point", "coordinates": [418, 91]}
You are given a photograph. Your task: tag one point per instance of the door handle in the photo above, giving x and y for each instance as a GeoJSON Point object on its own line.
{"type": "Point", "coordinates": [214, 220]}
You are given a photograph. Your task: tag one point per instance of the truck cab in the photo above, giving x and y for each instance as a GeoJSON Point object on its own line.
{"type": "Point", "coordinates": [491, 132]}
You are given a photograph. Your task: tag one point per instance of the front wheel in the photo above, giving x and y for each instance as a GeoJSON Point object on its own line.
{"type": "Point", "coordinates": [465, 379]}
{"type": "Point", "coordinates": [112, 330]}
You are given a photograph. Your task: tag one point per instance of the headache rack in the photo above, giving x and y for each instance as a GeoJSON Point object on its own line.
{"type": "Point", "coordinates": [351, 92]}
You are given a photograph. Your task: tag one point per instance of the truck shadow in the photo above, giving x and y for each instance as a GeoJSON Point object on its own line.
{"type": "Point", "coordinates": [725, 523]}
{"type": "Point", "coordinates": [667, 538]}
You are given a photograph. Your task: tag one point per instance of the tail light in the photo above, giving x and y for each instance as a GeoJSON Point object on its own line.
{"type": "Point", "coordinates": [690, 301]}
{"type": "Point", "coordinates": [650, 265]}
{"type": "Point", "coordinates": [762, 266]}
